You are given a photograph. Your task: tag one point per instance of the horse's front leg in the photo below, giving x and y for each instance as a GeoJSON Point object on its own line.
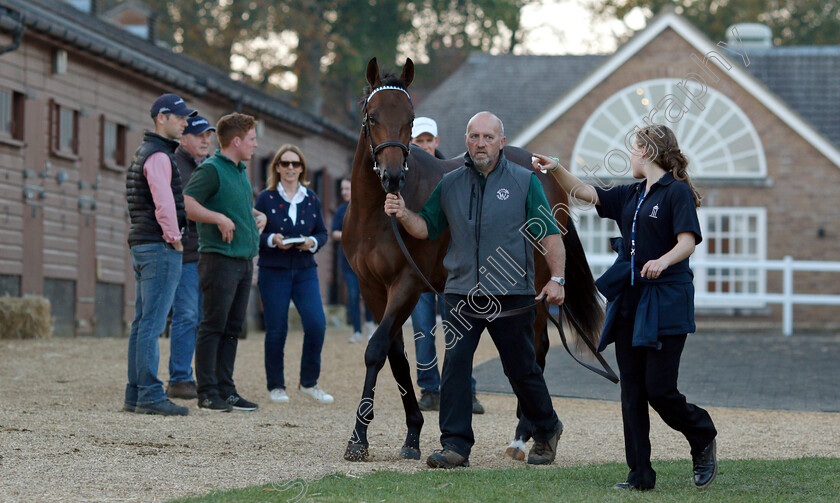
{"type": "Point", "coordinates": [413, 417]}
{"type": "Point", "coordinates": [375, 354]}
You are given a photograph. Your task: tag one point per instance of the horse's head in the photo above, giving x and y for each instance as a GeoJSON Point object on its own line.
{"type": "Point", "coordinates": [388, 115]}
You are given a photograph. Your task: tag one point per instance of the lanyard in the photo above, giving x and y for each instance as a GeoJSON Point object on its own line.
{"type": "Point", "coordinates": [633, 239]}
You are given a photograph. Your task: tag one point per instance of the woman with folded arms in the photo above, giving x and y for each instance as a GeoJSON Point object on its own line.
{"type": "Point", "coordinates": [295, 231]}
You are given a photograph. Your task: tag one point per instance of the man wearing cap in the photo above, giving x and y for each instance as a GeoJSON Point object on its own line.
{"type": "Point", "coordinates": [424, 134]}
{"type": "Point", "coordinates": [186, 309]}
{"type": "Point", "coordinates": [158, 220]}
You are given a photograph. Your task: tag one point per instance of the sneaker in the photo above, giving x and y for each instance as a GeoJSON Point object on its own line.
{"type": "Point", "coordinates": [429, 400]}
{"type": "Point", "coordinates": [214, 403]}
{"type": "Point", "coordinates": [316, 394]}
{"type": "Point", "coordinates": [164, 408]}
{"type": "Point", "coordinates": [477, 408]}
{"type": "Point", "coordinates": [183, 389]}
{"type": "Point", "coordinates": [278, 395]}
{"type": "Point", "coordinates": [544, 451]}
{"type": "Point", "coordinates": [356, 338]}
{"type": "Point", "coordinates": [447, 458]}
{"type": "Point", "coordinates": [239, 403]}
{"type": "Point", "coordinates": [370, 328]}
{"type": "Point", "coordinates": [128, 407]}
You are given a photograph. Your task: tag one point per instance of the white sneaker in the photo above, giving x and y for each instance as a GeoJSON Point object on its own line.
{"type": "Point", "coordinates": [316, 394]}
{"type": "Point", "coordinates": [357, 338]}
{"type": "Point", "coordinates": [370, 328]}
{"type": "Point", "coordinates": [278, 395]}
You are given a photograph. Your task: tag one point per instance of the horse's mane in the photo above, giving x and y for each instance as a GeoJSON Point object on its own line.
{"type": "Point", "coordinates": [389, 79]}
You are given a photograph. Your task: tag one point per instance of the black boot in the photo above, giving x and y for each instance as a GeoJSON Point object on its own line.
{"type": "Point", "coordinates": [705, 466]}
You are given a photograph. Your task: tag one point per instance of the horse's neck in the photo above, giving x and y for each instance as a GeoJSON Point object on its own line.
{"type": "Point", "coordinates": [367, 197]}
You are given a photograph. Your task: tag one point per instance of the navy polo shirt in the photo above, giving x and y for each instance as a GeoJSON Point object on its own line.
{"type": "Point", "coordinates": [667, 211]}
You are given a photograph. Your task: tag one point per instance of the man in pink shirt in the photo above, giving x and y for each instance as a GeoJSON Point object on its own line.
{"type": "Point", "coordinates": [158, 221]}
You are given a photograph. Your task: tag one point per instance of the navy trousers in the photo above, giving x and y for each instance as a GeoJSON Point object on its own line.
{"type": "Point", "coordinates": [514, 338]}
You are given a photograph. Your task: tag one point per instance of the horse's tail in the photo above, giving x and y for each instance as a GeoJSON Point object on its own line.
{"type": "Point", "coordinates": [583, 302]}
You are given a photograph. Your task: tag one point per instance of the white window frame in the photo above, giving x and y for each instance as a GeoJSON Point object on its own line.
{"type": "Point", "coordinates": [694, 130]}
{"type": "Point", "coordinates": [701, 253]}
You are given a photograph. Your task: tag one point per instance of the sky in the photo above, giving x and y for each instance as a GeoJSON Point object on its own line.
{"type": "Point", "coordinates": [566, 27]}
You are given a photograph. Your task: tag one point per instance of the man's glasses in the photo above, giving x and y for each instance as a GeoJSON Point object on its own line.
{"type": "Point", "coordinates": [294, 164]}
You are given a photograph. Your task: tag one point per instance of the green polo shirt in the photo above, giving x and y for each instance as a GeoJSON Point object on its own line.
{"type": "Point", "coordinates": [437, 223]}
{"type": "Point", "coordinates": [222, 186]}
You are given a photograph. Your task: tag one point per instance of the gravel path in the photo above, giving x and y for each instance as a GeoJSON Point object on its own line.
{"type": "Point", "coordinates": [63, 437]}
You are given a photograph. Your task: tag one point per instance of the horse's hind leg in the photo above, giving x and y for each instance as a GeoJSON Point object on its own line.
{"type": "Point", "coordinates": [375, 354]}
{"type": "Point", "coordinates": [524, 429]}
{"type": "Point", "coordinates": [413, 416]}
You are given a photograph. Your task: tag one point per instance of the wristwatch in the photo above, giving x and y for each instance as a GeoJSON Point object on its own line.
{"type": "Point", "coordinates": [559, 279]}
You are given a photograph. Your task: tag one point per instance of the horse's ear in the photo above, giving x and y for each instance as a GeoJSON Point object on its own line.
{"type": "Point", "coordinates": [407, 72]}
{"type": "Point", "coordinates": [372, 73]}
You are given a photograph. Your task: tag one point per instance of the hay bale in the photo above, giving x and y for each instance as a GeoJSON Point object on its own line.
{"type": "Point", "coordinates": [25, 318]}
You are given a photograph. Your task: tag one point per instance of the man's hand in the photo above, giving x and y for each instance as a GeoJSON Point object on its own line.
{"type": "Point", "coordinates": [306, 245]}
{"type": "Point", "coordinates": [261, 219]}
{"type": "Point", "coordinates": [553, 292]}
{"type": "Point", "coordinates": [395, 205]}
{"type": "Point", "coordinates": [278, 242]}
{"type": "Point", "coordinates": [226, 227]}
{"type": "Point", "coordinates": [178, 245]}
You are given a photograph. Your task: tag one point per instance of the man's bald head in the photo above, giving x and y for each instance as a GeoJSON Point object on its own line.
{"type": "Point", "coordinates": [487, 116]}
{"type": "Point", "coordinates": [485, 138]}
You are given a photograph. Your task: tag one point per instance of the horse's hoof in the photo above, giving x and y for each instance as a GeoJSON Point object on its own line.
{"type": "Point", "coordinates": [515, 453]}
{"type": "Point", "coordinates": [356, 452]}
{"type": "Point", "coordinates": [409, 453]}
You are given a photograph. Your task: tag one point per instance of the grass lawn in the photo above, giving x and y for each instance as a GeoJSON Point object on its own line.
{"type": "Point", "coordinates": [804, 479]}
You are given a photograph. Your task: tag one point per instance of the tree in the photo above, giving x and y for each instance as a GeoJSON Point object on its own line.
{"type": "Point", "coordinates": [319, 48]}
{"type": "Point", "coordinates": [794, 22]}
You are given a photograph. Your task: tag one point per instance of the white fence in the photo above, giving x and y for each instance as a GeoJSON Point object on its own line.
{"type": "Point", "coordinates": [787, 298]}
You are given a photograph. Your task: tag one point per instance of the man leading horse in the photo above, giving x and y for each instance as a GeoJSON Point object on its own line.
{"type": "Point", "coordinates": [491, 206]}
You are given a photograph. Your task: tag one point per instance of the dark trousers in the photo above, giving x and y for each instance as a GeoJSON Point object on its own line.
{"type": "Point", "coordinates": [649, 376]}
{"type": "Point", "coordinates": [514, 338]}
{"type": "Point", "coordinates": [225, 286]}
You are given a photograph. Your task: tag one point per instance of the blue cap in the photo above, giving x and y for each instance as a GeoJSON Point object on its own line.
{"type": "Point", "coordinates": [171, 104]}
{"type": "Point", "coordinates": [197, 125]}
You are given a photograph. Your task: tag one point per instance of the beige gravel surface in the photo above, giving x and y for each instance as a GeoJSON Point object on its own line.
{"type": "Point", "coordinates": [64, 438]}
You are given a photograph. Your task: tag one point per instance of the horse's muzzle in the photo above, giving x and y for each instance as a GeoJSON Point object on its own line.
{"type": "Point", "coordinates": [392, 184]}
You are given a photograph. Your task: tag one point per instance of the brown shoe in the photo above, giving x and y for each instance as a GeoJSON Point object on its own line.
{"type": "Point", "coordinates": [544, 451]}
{"type": "Point", "coordinates": [184, 390]}
{"type": "Point", "coordinates": [446, 458]}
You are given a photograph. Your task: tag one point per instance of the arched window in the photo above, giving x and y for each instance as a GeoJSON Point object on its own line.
{"type": "Point", "coordinates": [715, 134]}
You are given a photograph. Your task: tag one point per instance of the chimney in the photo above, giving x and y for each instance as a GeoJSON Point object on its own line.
{"type": "Point", "coordinates": [752, 35]}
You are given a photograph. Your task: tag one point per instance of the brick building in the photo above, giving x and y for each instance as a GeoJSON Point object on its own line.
{"type": "Point", "coordinates": [759, 125]}
{"type": "Point", "coordinates": [75, 91]}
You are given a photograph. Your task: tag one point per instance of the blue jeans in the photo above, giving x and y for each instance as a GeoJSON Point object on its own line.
{"type": "Point", "coordinates": [186, 315]}
{"type": "Point", "coordinates": [157, 269]}
{"type": "Point", "coordinates": [423, 325]}
{"type": "Point", "coordinates": [354, 295]}
{"type": "Point", "coordinates": [277, 288]}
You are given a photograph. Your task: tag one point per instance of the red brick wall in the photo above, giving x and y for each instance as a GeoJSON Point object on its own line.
{"type": "Point", "coordinates": [801, 194]}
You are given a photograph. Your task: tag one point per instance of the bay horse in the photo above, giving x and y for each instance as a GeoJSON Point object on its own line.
{"type": "Point", "coordinates": [389, 284]}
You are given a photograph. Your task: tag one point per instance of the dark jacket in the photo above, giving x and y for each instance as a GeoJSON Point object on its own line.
{"type": "Point", "coordinates": [310, 222]}
{"type": "Point", "coordinates": [141, 206]}
{"type": "Point", "coordinates": [484, 220]}
{"type": "Point", "coordinates": [186, 164]}
{"type": "Point", "coordinates": [666, 304]}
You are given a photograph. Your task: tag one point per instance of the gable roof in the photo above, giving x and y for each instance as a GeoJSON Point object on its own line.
{"type": "Point", "coordinates": [513, 87]}
{"type": "Point", "coordinates": [807, 79]}
{"type": "Point", "coordinates": [668, 19]}
{"type": "Point", "coordinates": [89, 33]}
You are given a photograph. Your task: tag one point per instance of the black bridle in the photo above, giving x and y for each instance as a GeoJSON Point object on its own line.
{"type": "Point", "coordinates": [375, 149]}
